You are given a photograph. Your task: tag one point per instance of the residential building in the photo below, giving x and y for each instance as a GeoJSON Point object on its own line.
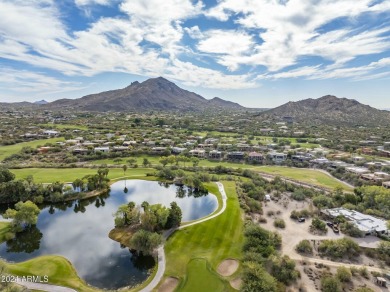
{"type": "Point", "coordinates": [255, 156]}
{"type": "Point", "coordinates": [200, 153]}
{"type": "Point", "coordinates": [235, 155]}
{"type": "Point", "coordinates": [215, 154]}
{"type": "Point", "coordinates": [277, 157]}
{"type": "Point", "coordinates": [102, 149]}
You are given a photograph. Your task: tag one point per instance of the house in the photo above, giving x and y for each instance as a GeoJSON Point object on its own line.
{"type": "Point", "coordinates": [235, 155]}
{"type": "Point", "coordinates": [102, 149]}
{"type": "Point", "coordinates": [177, 150]}
{"type": "Point", "coordinates": [211, 141]}
{"type": "Point", "coordinates": [120, 148]}
{"type": "Point", "coordinates": [255, 156]}
{"type": "Point", "coordinates": [80, 151]}
{"type": "Point", "coordinates": [357, 170]}
{"type": "Point", "coordinates": [358, 159]}
{"type": "Point", "coordinates": [299, 158]}
{"type": "Point", "coordinates": [321, 160]}
{"type": "Point", "coordinates": [215, 154]}
{"type": "Point", "coordinates": [365, 223]}
{"type": "Point", "coordinates": [277, 157]}
{"type": "Point", "coordinates": [159, 150]}
{"type": "Point", "coordinates": [200, 153]}
{"type": "Point", "coordinates": [51, 133]}
{"type": "Point", "coordinates": [129, 143]}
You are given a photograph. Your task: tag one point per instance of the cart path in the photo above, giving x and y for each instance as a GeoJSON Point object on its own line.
{"type": "Point", "coordinates": [161, 253]}
{"type": "Point", "coordinates": [44, 287]}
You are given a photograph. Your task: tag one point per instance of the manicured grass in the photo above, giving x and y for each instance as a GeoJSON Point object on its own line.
{"type": "Point", "coordinates": [48, 175]}
{"type": "Point", "coordinates": [58, 269]}
{"type": "Point", "coordinates": [310, 176]}
{"type": "Point", "coordinates": [214, 240]}
{"type": "Point", "coordinates": [201, 278]}
{"type": "Point", "coordinates": [6, 151]}
{"type": "Point", "coordinates": [4, 228]}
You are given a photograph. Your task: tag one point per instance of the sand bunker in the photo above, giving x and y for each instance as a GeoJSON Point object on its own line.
{"type": "Point", "coordinates": [169, 285]}
{"type": "Point", "coordinates": [228, 267]}
{"type": "Point", "coordinates": [236, 283]}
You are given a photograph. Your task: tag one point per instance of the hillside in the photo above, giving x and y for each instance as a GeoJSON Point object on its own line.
{"type": "Point", "coordinates": [152, 94]}
{"type": "Point", "coordinates": [329, 110]}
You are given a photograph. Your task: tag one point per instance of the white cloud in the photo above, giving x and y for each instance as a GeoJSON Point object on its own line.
{"type": "Point", "coordinates": [291, 29]}
{"type": "Point", "coordinates": [81, 3]}
{"type": "Point", "coordinates": [194, 32]}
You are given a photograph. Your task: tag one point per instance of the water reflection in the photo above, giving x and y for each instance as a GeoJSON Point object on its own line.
{"type": "Point", "coordinates": [78, 230]}
{"type": "Point", "coordinates": [26, 241]}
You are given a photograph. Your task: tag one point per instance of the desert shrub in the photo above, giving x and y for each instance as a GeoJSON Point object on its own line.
{"type": "Point", "coordinates": [364, 272]}
{"type": "Point", "coordinates": [270, 213]}
{"type": "Point", "coordinates": [344, 274]}
{"type": "Point", "coordinates": [304, 247]}
{"type": "Point", "coordinates": [339, 248]}
{"type": "Point", "coordinates": [279, 223]}
{"type": "Point", "coordinates": [318, 224]}
{"type": "Point", "coordinates": [351, 229]}
{"type": "Point", "coordinates": [331, 284]}
{"type": "Point", "coordinates": [283, 269]}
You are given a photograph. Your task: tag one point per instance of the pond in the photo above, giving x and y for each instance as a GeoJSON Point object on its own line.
{"type": "Point", "coordinates": [79, 230]}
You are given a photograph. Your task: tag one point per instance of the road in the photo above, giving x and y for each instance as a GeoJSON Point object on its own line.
{"type": "Point", "coordinates": [160, 251]}
{"type": "Point", "coordinates": [44, 287]}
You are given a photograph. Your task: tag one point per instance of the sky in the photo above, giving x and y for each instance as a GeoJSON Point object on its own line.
{"type": "Point", "coordinates": [259, 53]}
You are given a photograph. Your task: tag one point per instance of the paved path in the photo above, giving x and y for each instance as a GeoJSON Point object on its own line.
{"type": "Point", "coordinates": [44, 287]}
{"type": "Point", "coordinates": [161, 254]}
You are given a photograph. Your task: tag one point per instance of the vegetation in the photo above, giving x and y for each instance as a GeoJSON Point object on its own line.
{"type": "Point", "coordinates": [318, 225]}
{"type": "Point", "coordinates": [283, 269]}
{"type": "Point", "coordinates": [339, 248]}
{"type": "Point", "coordinates": [279, 223]}
{"type": "Point", "coordinates": [23, 216]}
{"type": "Point", "coordinates": [304, 247]}
{"type": "Point", "coordinates": [344, 274]}
{"type": "Point", "coordinates": [145, 242]}
{"type": "Point", "coordinates": [59, 271]}
{"type": "Point", "coordinates": [213, 240]}
{"type": "Point", "coordinates": [331, 284]}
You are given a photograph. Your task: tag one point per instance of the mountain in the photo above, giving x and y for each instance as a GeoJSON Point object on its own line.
{"type": "Point", "coordinates": [329, 110]}
{"type": "Point", "coordinates": [219, 102]}
{"type": "Point", "coordinates": [41, 102]}
{"type": "Point", "coordinates": [152, 94]}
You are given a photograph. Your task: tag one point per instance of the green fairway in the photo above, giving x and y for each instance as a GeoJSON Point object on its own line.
{"type": "Point", "coordinates": [6, 151]}
{"type": "Point", "coordinates": [65, 126]}
{"type": "Point", "coordinates": [58, 269]}
{"type": "Point", "coordinates": [214, 240]}
{"type": "Point", "coordinates": [48, 175]}
{"type": "Point", "coordinates": [201, 278]}
{"type": "Point", "coordinates": [4, 228]}
{"type": "Point", "coordinates": [305, 175]}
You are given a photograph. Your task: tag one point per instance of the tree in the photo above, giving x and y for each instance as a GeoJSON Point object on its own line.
{"type": "Point", "coordinates": [117, 160]}
{"type": "Point", "coordinates": [145, 241]}
{"type": "Point", "coordinates": [131, 162]}
{"type": "Point", "coordinates": [283, 269]}
{"type": "Point", "coordinates": [255, 278]}
{"type": "Point", "coordinates": [145, 162]}
{"type": "Point", "coordinates": [164, 160]}
{"type": "Point", "coordinates": [174, 217]}
{"type": "Point", "coordinates": [195, 161]}
{"type": "Point", "coordinates": [127, 215]}
{"type": "Point", "coordinates": [124, 167]}
{"type": "Point", "coordinates": [24, 215]}
{"type": "Point", "coordinates": [6, 175]}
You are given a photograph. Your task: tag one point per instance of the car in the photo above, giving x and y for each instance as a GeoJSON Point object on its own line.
{"type": "Point", "coordinates": [330, 224]}
{"type": "Point", "coordinates": [301, 219]}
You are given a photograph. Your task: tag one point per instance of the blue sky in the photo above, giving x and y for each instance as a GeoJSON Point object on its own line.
{"type": "Point", "coordinates": [259, 53]}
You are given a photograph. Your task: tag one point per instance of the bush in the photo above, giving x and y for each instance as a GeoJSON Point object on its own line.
{"type": "Point", "coordinates": [319, 225]}
{"type": "Point", "coordinates": [304, 247]}
{"type": "Point", "coordinates": [331, 284]}
{"type": "Point", "coordinates": [344, 274]}
{"type": "Point", "coordinates": [283, 269]}
{"type": "Point", "coordinates": [279, 223]}
{"type": "Point", "coordinates": [364, 289]}
{"type": "Point", "coordinates": [339, 248]}
{"type": "Point", "coordinates": [351, 229]}
{"type": "Point", "coordinates": [298, 214]}
{"type": "Point", "coordinates": [364, 272]}
{"type": "Point", "coordinates": [270, 213]}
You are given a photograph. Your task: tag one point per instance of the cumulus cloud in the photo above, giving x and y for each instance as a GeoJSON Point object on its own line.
{"type": "Point", "coordinates": [148, 38]}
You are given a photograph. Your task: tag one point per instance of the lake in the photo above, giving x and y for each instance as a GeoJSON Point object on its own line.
{"type": "Point", "coordinates": [79, 230]}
